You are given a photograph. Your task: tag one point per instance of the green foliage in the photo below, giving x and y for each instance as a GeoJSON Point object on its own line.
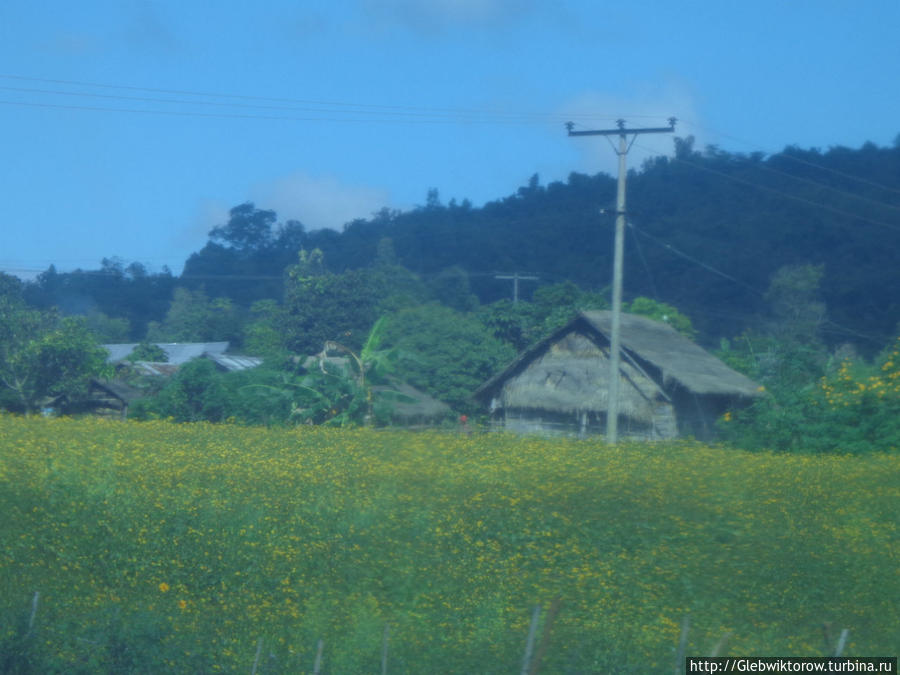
{"type": "Point", "coordinates": [795, 303]}
{"type": "Point", "coordinates": [660, 311]}
{"type": "Point", "coordinates": [147, 351]}
{"type": "Point", "coordinates": [552, 306]}
{"type": "Point", "coordinates": [165, 548]}
{"type": "Point", "coordinates": [322, 306]}
{"type": "Point", "coordinates": [333, 396]}
{"type": "Point", "coordinates": [195, 393]}
{"type": "Point", "coordinates": [192, 317]}
{"type": "Point", "coordinates": [445, 353]}
{"type": "Point", "coordinates": [108, 296]}
{"type": "Point", "coordinates": [248, 228]}
{"type": "Point", "coordinates": [265, 395]}
{"type": "Point", "coordinates": [263, 332]}
{"type": "Point", "coordinates": [340, 393]}
{"type": "Point", "coordinates": [43, 357]}
{"type": "Point", "coordinates": [336, 391]}
{"type": "Point", "coordinates": [107, 329]}
{"type": "Point", "coordinates": [747, 215]}
{"type": "Point", "coordinates": [853, 409]}
{"type": "Point", "coordinates": [452, 289]}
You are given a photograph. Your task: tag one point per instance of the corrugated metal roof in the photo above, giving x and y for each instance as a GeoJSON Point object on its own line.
{"type": "Point", "coordinates": [177, 353]}
{"type": "Point", "coordinates": [233, 362]}
{"type": "Point", "coordinates": [119, 352]}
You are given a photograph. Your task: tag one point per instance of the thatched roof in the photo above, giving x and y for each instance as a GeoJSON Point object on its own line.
{"type": "Point", "coordinates": [410, 405]}
{"type": "Point", "coordinates": [568, 370]}
{"type": "Point", "coordinates": [119, 389]}
{"type": "Point", "coordinates": [680, 359]}
{"type": "Point", "coordinates": [570, 375]}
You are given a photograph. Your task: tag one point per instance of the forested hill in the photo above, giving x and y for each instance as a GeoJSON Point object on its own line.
{"type": "Point", "coordinates": [708, 231]}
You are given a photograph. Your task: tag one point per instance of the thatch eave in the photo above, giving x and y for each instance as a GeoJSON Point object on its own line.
{"type": "Point", "coordinates": [678, 360]}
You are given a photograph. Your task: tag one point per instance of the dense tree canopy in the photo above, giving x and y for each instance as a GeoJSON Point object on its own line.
{"type": "Point", "coordinates": [778, 259]}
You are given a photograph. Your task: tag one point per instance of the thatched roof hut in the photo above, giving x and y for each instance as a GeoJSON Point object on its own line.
{"type": "Point", "coordinates": [669, 385]}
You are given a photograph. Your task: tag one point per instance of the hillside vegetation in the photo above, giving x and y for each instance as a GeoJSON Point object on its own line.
{"type": "Point", "coordinates": [708, 230]}
{"type": "Point", "coordinates": [158, 547]}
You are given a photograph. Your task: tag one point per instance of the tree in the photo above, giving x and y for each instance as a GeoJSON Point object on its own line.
{"type": "Point", "coordinates": [344, 395]}
{"type": "Point", "coordinates": [795, 303]}
{"type": "Point", "coordinates": [322, 306]}
{"type": "Point", "coordinates": [264, 332]}
{"type": "Point", "coordinates": [445, 353]}
{"type": "Point", "coordinates": [195, 393]}
{"type": "Point", "coordinates": [44, 357]}
{"type": "Point", "coordinates": [248, 229]}
{"type": "Point", "coordinates": [326, 306]}
{"type": "Point", "coordinates": [553, 306]}
{"type": "Point", "coordinates": [451, 288]}
{"type": "Point", "coordinates": [107, 329]}
{"type": "Point", "coordinates": [147, 351]}
{"type": "Point", "coordinates": [665, 313]}
{"type": "Point", "coordinates": [193, 317]}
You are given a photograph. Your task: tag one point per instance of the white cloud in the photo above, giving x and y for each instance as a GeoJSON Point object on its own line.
{"type": "Point", "coordinates": [318, 201]}
{"type": "Point", "coordinates": [649, 107]}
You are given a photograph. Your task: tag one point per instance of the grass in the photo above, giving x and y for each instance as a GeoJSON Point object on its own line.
{"type": "Point", "coordinates": [158, 547]}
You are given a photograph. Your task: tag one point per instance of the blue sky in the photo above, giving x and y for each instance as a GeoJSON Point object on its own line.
{"type": "Point", "coordinates": [128, 128]}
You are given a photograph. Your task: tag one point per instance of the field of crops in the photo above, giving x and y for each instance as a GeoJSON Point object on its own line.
{"type": "Point", "coordinates": [158, 547]}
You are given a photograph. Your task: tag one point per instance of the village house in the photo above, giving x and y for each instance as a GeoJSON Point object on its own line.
{"type": "Point", "coordinates": [111, 398]}
{"type": "Point", "coordinates": [669, 386]}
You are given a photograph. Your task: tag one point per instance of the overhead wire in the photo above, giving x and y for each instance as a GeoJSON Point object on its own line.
{"type": "Point", "coordinates": [365, 111]}
{"type": "Point", "coordinates": [685, 256]}
{"type": "Point", "coordinates": [791, 157]}
{"type": "Point", "coordinates": [786, 195]}
{"type": "Point", "coordinates": [406, 114]}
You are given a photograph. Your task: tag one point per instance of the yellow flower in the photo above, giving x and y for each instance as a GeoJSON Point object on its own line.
{"type": "Point", "coordinates": [760, 388]}
{"type": "Point", "coordinates": [164, 587]}
{"type": "Point", "coordinates": [727, 417]}
{"type": "Point", "coordinates": [182, 604]}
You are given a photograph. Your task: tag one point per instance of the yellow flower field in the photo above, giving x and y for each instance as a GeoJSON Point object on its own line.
{"type": "Point", "coordinates": [157, 547]}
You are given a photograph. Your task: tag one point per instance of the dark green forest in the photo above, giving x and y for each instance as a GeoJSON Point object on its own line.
{"type": "Point", "coordinates": [785, 264]}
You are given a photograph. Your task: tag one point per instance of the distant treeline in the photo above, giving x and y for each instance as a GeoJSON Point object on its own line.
{"type": "Point", "coordinates": [708, 230]}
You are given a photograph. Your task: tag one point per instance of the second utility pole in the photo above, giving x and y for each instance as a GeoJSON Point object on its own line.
{"type": "Point", "coordinates": [612, 404]}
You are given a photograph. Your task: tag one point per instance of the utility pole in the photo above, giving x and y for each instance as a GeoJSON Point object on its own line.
{"type": "Point", "coordinates": [516, 278]}
{"type": "Point", "coordinates": [612, 411]}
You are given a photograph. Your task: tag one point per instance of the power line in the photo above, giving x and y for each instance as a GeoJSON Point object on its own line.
{"type": "Point", "coordinates": [825, 186]}
{"type": "Point", "coordinates": [786, 195]}
{"type": "Point", "coordinates": [184, 113]}
{"type": "Point", "coordinates": [689, 258]}
{"type": "Point", "coordinates": [710, 268]}
{"type": "Point", "coordinates": [787, 155]}
{"type": "Point", "coordinates": [515, 277]}
{"type": "Point", "coordinates": [406, 115]}
{"type": "Point", "coordinates": [637, 246]}
{"type": "Point", "coordinates": [446, 113]}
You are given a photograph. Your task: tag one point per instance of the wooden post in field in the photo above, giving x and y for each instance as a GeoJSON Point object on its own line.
{"type": "Point", "coordinates": [318, 664]}
{"type": "Point", "coordinates": [256, 660]}
{"type": "Point", "coordinates": [842, 642]}
{"type": "Point", "coordinates": [34, 604]}
{"type": "Point", "coordinates": [384, 649]}
{"type": "Point", "coordinates": [529, 643]}
{"type": "Point", "coordinates": [682, 644]}
{"type": "Point", "coordinates": [545, 636]}
{"type": "Point", "coordinates": [720, 644]}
